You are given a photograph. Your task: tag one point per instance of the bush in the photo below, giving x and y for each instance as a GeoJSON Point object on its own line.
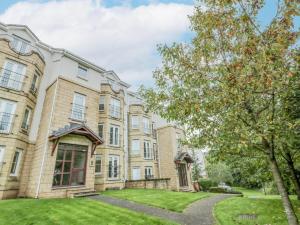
{"type": "Point", "coordinates": [205, 184]}
{"type": "Point", "coordinates": [224, 190]}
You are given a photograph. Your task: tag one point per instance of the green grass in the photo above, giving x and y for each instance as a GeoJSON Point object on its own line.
{"type": "Point", "coordinates": [69, 212]}
{"type": "Point", "coordinates": [174, 201]}
{"type": "Point", "coordinates": [268, 208]}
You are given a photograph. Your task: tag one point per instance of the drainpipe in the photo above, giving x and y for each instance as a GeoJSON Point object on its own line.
{"type": "Point", "coordinates": [46, 142]}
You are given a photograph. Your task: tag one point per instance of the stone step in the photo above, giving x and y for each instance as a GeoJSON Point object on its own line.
{"type": "Point", "coordinates": [84, 194]}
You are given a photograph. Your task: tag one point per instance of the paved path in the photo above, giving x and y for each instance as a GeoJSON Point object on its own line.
{"type": "Point", "coordinates": [198, 213]}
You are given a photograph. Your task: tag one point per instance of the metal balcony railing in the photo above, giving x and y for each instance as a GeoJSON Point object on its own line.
{"type": "Point", "coordinates": [10, 79]}
{"type": "Point", "coordinates": [115, 111]}
{"type": "Point", "coordinates": [78, 112]}
{"type": "Point", "coordinates": [6, 122]}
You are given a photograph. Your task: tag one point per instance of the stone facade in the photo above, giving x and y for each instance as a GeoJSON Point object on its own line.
{"type": "Point", "coordinates": [57, 89]}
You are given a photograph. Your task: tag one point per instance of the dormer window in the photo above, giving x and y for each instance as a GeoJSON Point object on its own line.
{"type": "Point", "coordinates": [20, 45]}
{"type": "Point", "coordinates": [82, 72]}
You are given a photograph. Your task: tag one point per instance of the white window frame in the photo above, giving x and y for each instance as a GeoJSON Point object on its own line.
{"type": "Point", "coordinates": [27, 119]}
{"type": "Point", "coordinates": [102, 103]}
{"type": "Point", "coordinates": [12, 75]}
{"type": "Point", "coordinates": [135, 122]}
{"type": "Point", "coordinates": [20, 45]}
{"type": "Point", "coordinates": [148, 154]}
{"type": "Point", "coordinates": [81, 74]}
{"type": "Point", "coordinates": [2, 149]}
{"type": "Point", "coordinates": [34, 85]}
{"type": "Point", "coordinates": [17, 164]}
{"type": "Point", "coordinates": [98, 158]}
{"type": "Point", "coordinates": [80, 109]}
{"type": "Point", "coordinates": [135, 146]}
{"type": "Point", "coordinates": [113, 159]}
{"type": "Point", "coordinates": [148, 171]}
{"type": "Point", "coordinates": [115, 108]}
{"type": "Point", "coordinates": [146, 125]}
{"type": "Point", "coordinates": [6, 117]}
{"type": "Point", "coordinates": [115, 136]}
{"type": "Point", "coordinates": [136, 168]}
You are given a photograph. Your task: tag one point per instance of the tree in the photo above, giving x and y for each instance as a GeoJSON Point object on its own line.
{"type": "Point", "coordinates": [219, 173]}
{"type": "Point", "coordinates": [228, 85]}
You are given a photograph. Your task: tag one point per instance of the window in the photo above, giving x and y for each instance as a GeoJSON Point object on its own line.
{"type": "Point", "coordinates": [70, 165]}
{"type": "Point", "coordinates": [146, 124]}
{"type": "Point", "coordinates": [113, 167]}
{"type": "Point", "coordinates": [178, 143]}
{"type": "Point", "coordinates": [98, 164]}
{"type": "Point", "coordinates": [114, 135]}
{"type": "Point", "coordinates": [136, 173]}
{"type": "Point", "coordinates": [1, 154]}
{"type": "Point", "coordinates": [148, 172]}
{"type": "Point", "coordinates": [135, 147]}
{"type": "Point", "coordinates": [147, 150]}
{"type": "Point", "coordinates": [135, 122]}
{"type": "Point", "coordinates": [101, 103]}
{"type": "Point", "coordinates": [78, 108]}
{"type": "Point", "coordinates": [82, 72]}
{"type": "Point", "coordinates": [115, 108]}
{"type": "Point", "coordinates": [12, 75]}
{"type": "Point", "coordinates": [33, 87]}
{"type": "Point", "coordinates": [155, 151]}
{"type": "Point", "coordinates": [100, 130]}
{"type": "Point", "coordinates": [26, 118]}
{"type": "Point", "coordinates": [7, 110]}
{"type": "Point", "coordinates": [20, 45]}
{"type": "Point", "coordinates": [16, 163]}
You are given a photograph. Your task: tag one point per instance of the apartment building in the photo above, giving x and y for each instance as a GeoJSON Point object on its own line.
{"type": "Point", "coordinates": [68, 126]}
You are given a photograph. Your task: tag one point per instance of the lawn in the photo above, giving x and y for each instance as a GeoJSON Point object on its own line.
{"type": "Point", "coordinates": [174, 201]}
{"type": "Point", "coordinates": [268, 208]}
{"type": "Point", "coordinates": [69, 212]}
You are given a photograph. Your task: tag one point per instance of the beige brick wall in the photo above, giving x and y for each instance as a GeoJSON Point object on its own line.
{"type": "Point", "coordinates": [17, 138]}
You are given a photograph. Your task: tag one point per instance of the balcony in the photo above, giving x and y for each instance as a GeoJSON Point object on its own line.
{"type": "Point", "coordinates": [115, 111]}
{"type": "Point", "coordinates": [78, 112]}
{"type": "Point", "coordinates": [11, 80]}
{"type": "Point", "coordinates": [6, 122]}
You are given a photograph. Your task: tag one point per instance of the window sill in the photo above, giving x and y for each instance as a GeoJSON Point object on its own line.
{"type": "Point", "coordinates": [113, 179]}
{"type": "Point", "coordinates": [82, 78]}
{"type": "Point", "coordinates": [77, 120]}
{"type": "Point", "coordinates": [115, 146]}
{"type": "Point", "coordinates": [98, 175]}
{"type": "Point", "coordinates": [135, 155]}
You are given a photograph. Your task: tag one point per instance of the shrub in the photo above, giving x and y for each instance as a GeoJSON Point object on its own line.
{"type": "Point", "coordinates": [223, 190]}
{"type": "Point", "coordinates": [205, 184]}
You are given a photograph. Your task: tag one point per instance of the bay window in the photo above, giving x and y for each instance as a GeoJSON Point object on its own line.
{"type": "Point", "coordinates": [135, 122]}
{"type": "Point", "coordinates": [114, 135]}
{"type": "Point", "coordinates": [115, 108]}
{"type": "Point", "coordinates": [147, 150]}
{"type": "Point", "coordinates": [146, 124]}
{"type": "Point", "coordinates": [100, 130]}
{"type": "Point", "coordinates": [15, 166]}
{"type": "Point", "coordinates": [12, 75]}
{"type": "Point", "coordinates": [26, 119]}
{"type": "Point", "coordinates": [102, 103]}
{"type": "Point", "coordinates": [78, 107]}
{"type": "Point", "coordinates": [7, 110]}
{"type": "Point", "coordinates": [148, 172]}
{"type": "Point", "coordinates": [113, 167]}
{"type": "Point", "coordinates": [20, 45]}
{"type": "Point", "coordinates": [135, 147]}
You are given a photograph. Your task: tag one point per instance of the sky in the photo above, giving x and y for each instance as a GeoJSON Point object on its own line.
{"type": "Point", "coordinates": [119, 35]}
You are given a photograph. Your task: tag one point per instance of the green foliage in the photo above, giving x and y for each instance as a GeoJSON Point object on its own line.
{"type": "Point", "coordinates": [223, 190]}
{"type": "Point", "coordinates": [205, 184]}
{"type": "Point", "coordinates": [219, 172]}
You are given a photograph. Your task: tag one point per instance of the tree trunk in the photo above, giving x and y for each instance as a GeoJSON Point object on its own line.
{"type": "Point", "coordinates": [291, 216]}
{"type": "Point", "coordinates": [294, 177]}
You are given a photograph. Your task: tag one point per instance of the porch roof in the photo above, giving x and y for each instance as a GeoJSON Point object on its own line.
{"type": "Point", "coordinates": [183, 156]}
{"type": "Point", "coordinates": [79, 129]}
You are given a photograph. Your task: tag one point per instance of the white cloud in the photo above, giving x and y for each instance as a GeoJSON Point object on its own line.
{"type": "Point", "coordinates": [120, 38]}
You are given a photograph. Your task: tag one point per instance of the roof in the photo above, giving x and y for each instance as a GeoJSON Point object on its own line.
{"type": "Point", "coordinates": [79, 129]}
{"type": "Point", "coordinates": [183, 156]}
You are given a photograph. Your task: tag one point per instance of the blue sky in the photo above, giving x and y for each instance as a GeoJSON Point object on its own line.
{"type": "Point", "coordinates": [123, 38]}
